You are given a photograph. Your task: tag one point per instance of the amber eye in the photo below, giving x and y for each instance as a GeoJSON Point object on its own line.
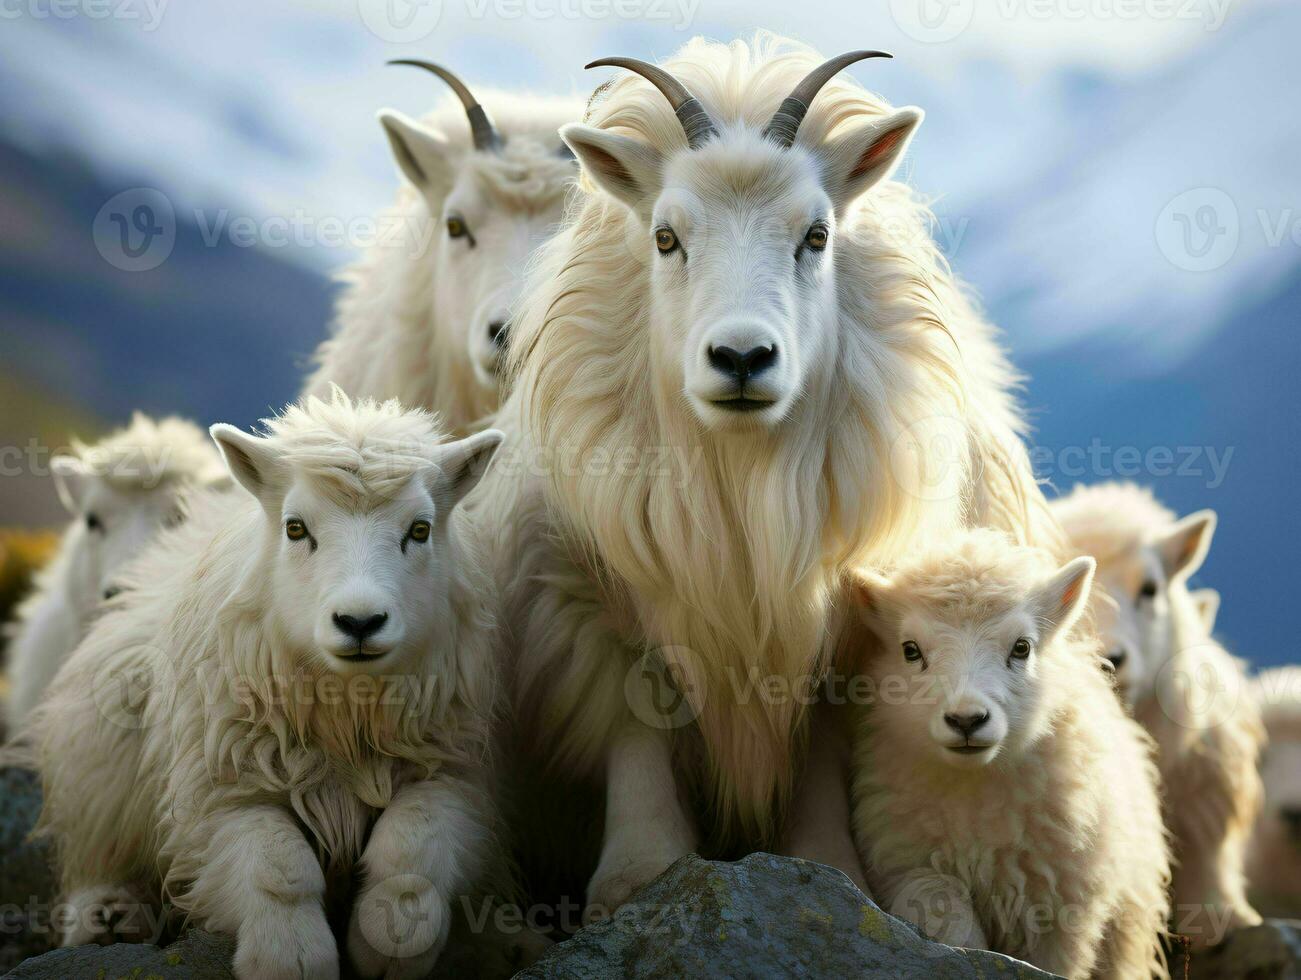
{"type": "Point", "coordinates": [419, 532]}
{"type": "Point", "coordinates": [665, 240]}
{"type": "Point", "coordinates": [456, 227]}
{"type": "Point", "coordinates": [295, 530]}
{"type": "Point", "coordinates": [912, 652]}
{"type": "Point", "coordinates": [1021, 649]}
{"type": "Point", "coordinates": [817, 237]}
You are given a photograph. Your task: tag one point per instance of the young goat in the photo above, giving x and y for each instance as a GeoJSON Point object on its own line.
{"type": "Point", "coordinates": [1002, 798]}
{"type": "Point", "coordinates": [120, 492]}
{"type": "Point", "coordinates": [1183, 687]}
{"type": "Point", "coordinates": [1274, 857]}
{"type": "Point", "coordinates": [309, 665]}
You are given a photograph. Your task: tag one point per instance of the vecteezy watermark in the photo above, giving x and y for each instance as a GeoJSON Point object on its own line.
{"type": "Point", "coordinates": [660, 690]}
{"type": "Point", "coordinates": [148, 13]}
{"type": "Point", "coordinates": [401, 917]}
{"type": "Point", "coordinates": [408, 21]}
{"type": "Point", "coordinates": [135, 231]}
{"type": "Point", "coordinates": [1198, 230]}
{"type": "Point", "coordinates": [1101, 461]}
{"type": "Point", "coordinates": [938, 21]}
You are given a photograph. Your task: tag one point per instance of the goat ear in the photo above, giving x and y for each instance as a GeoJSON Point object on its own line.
{"type": "Point", "coordinates": [1207, 602]}
{"type": "Point", "coordinates": [1060, 600]}
{"type": "Point", "coordinates": [423, 156]}
{"type": "Point", "coordinates": [870, 591]}
{"type": "Point", "coordinates": [72, 480]}
{"type": "Point", "coordinates": [867, 155]}
{"type": "Point", "coordinates": [1182, 548]}
{"type": "Point", "coordinates": [461, 466]}
{"type": "Point", "coordinates": [251, 463]}
{"type": "Point", "coordinates": [622, 167]}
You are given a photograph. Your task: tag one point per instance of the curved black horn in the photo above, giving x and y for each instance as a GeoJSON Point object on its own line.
{"type": "Point", "coordinates": [484, 132]}
{"type": "Point", "coordinates": [695, 120]}
{"type": "Point", "coordinates": [785, 123]}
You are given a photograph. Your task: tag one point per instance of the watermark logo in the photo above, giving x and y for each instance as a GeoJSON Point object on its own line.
{"type": "Point", "coordinates": [122, 690]}
{"type": "Point", "coordinates": [1198, 230]}
{"type": "Point", "coordinates": [1194, 694]}
{"type": "Point", "coordinates": [660, 692]}
{"type": "Point", "coordinates": [400, 21]}
{"type": "Point", "coordinates": [932, 21]}
{"type": "Point", "coordinates": [931, 459]}
{"type": "Point", "coordinates": [398, 917]}
{"type": "Point", "coordinates": [135, 231]}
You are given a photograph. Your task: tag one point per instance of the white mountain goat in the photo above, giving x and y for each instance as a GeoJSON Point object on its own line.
{"type": "Point", "coordinates": [120, 492]}
{"type": "Point", "coordinates": [424, 317]}
{"type": "Point", "coordinates": [1003, 798]}
{"type": "Point", "coordinates": [741, 368]}
{"type": "Point", "coordinates": [295, 685]}
{"type": "Point", "coordinates": [1183, 687]}
{"type": "Point", "coordinates": [1274, 856]}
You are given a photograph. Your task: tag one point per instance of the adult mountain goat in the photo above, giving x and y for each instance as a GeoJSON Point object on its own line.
{"type": "Point", "coordinates": [309, 664]}
{"type": "Point", "coordinates": [120, 492]}
{"type": "Point", "coordinates": [1183, 687]}
{"type": "Point", "coordinates": [426, 313]}
{"type": "Point", "coordinates": [729, 369]}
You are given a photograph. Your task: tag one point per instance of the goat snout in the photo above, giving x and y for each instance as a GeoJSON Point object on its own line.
{"type": "Point", "coordinates": [966, 724]}
{"type": "Point", "coordinates": [361, 627]}
{"type": "Point", "coordinates": [741, 366]}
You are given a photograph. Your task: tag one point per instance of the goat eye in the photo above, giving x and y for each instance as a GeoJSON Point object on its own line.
{"type": "Point", "coordinates": [1021, 649]}
{"type": "Point", "coordinates": [295, 530]}
{"type": "Point", "coordinates": [817, 237]}
{"type": "Point", "coordinates": [1147, 590]}
{"type": "Point", "coordinates": [912, 652]}
{"type": "Point", "coordinates": [665, 241]}
{"type": "Point", "coordinates": [93, 523]}
{"type": "Point", "coordinates": [456, 227]}
{"type": "Point", "coordinates": [419, 532]}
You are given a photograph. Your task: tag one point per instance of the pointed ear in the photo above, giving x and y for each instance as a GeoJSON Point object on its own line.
{"type": "Point", "coordinates": [869, 591]}
{"type": "Point", "coordinates": [461, 466]}
{"type": "Point", "coordinates": [1207, 602]}
{"type": "Point", "coordinates": [622, 167]}
{"type": "Point", "coordinates": [72, 480]}
{"type": "Point", "coordinates": [1182, 548]}
{"type": "Point", "coordinates": [424, 157]}
{"type": "Point", "coordinates": [856, 160]}
{"type": "Point", "coordinates": [1060, 600]}
{"type": "Point", "coordinates": [250, 461]}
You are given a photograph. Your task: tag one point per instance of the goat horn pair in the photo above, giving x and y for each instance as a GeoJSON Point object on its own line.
{"type": "Point", "coordinates": [486, 137]}
{"type": "Point", "coordinates": [697, 124]}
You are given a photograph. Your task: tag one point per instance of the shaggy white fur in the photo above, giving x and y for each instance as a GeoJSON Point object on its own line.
{"type": "Point", "coordinates": [1274, 856]}
{"type": "Point", "coordinates": [1184, 688]}
{"type": "Point", "coordinates": [120, 491]}
{"type": "Point", "coordinates": [424, 315]}
{"type": "Point", "coordinates": [295, 686]}
{"type": "Point", "coordinates": [1002, 797]}
{"type": "Point", "coordinates": [638, 518]}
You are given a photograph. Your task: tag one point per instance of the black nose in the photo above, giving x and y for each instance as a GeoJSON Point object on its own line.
{"type": "Point", "coordinates": [1292, 820]}
{"type": "Point", "coordinates": [1118, 658]}
{"type": "Point", "coordinates": [111, 591]}
{"type": "Point", "coordinates": [965, 725]}
{"type": "Point", "coordinates": [742, 365]}
{"type": "Point", "coordinates": [360, 627]}
{"type": "Point", "coordinates": [499, 332]}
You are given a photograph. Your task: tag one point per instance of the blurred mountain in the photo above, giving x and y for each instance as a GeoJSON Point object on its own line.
{"type": "Point", "coordinates": [217, 332]}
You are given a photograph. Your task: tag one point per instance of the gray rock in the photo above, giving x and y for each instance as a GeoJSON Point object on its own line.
{"type": "Point", "coordinates": [764, 916]}
{"type": "Point", "coordinates": [196, 956]}
{"type": "Point", "coordinates": [1270, 951]}
{"type": "Point", "coordinates": [27, 882]}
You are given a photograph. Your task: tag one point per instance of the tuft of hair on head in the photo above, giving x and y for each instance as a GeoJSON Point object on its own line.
{"type": "Point", "coordinates": [146, 454]}
{"type": "Point", "coordinates": [353, 450]}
